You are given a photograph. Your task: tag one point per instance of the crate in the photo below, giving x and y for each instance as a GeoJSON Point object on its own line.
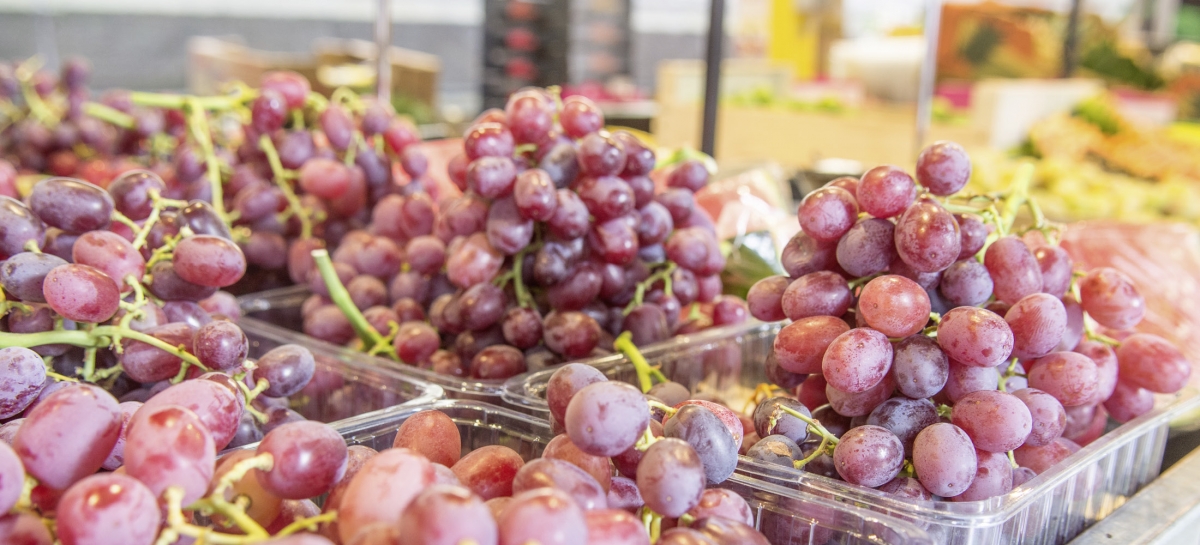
{"type": "Point", "coordinates": [1050, 509]}
{"type": "Point", "coordinates": [276, 313]}
{"type": "Point", "coordinates": [789, 516]}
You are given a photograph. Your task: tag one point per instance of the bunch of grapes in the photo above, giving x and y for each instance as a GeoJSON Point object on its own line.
{"type": "Point", "coordinates": [560, 242]}
{"type": "Point", "coordinates": [933, 352]}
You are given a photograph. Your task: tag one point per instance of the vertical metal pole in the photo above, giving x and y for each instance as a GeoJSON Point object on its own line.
{"type": "Point", "coordinates": [933, 17]}
{"type": "Point", "coordinates": [1072, 39]}
{"type": "Point", "coordinates": [383, 43]}
{"type": "Point", "coordinates": [712, 75]}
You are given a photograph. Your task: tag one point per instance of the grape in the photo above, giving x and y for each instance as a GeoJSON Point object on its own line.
{"type": "Point", "coordinates": [131, 192]}
{"type": "Point", "coordinates": [218, 407]}
{"type": "Point", "coordinates": [22, 375]}
{"type": "Point", "coordinates": [729, 310]}
{"type": "Point", "coordinates": [18, 227]}
{"type": "Point", "coordinates": [905, 418]}
{"type": "Point", "coordinates": [776, 449]}
{"type": "Point", "coordinates": [23, 274]}
{"type": "Point", "coordinates": [1106, 367]}
{"type": "Point", "coordinates": [337, 126]}
{"type": "Point", "coordinates": [564, 476]}
{"type": "Point", "coordinates": [966, 283]}
{"type": "Point", "coordinates": [860, 404]}
{"type": "Point", "coordinates": [1049, 417]}
{"type": "Point", "coordinates": [329, 324]}
{"type": "Point", "coordinates": [60, 243]}
{"type": "Point", "coordinates": [975, 337]}
{"type": "Point", "coordinates": [1038, 322]}
{"type": "Point", "coordinates": [944, 458]}
{"type": "Point", "coordinates": [415, 342]}
{"type": "Point", "coordinates": [129, 511]}
{"type": "Point", "coordinates": [57, 458]}
{"type": "Point", "coordinates": [482, 306]}
{"type": "Point", "coordinates": [145, 363]}
{"type": "Point", "coordinates": [606, 197]}
{"type": "Point", "coordinates": [1150, 362]}
{"type": "Point", "coordinates": [606, 418]}
{"type": "Point", "coordinates": [1128, 402]}
{"type": "Point", "coordinates": [561, 163]}
{"type": "Point", "coordinates": [74, 206]}
{"type": "Point", "coordinates": [1074, 329]}
{"type": "Point", "coordinates": [995, 421]}
{"type": "Point", "coordinates": [497, 362]}
{"type": "Point", "coordinates": [570, 219]}
{"type": "Point", "coordinates": [943, 168]}
{"type": "Point", "coordinates": [885, 191]}
{"type": "Point", "coordinates": [994, 477]}
{"type": "Point", "coordinates": [867, 248]}
{"type": "Point", "coordinates": [489, 471]}
{"type": "Point", "coordinates": [1071, 378]}
{"type": "Point", "coordinates": [973, 233]}
{"type": "Point", "coordinates": [24, 529]}
{"type": "Point", "coordinates": [309, 458]}
{"type": "Point", "coordinates": [492, 177]}
{"type": "Point", "coordinates": [1110, 298]}
{"type": "Point", "coordinates": [324, 178]}
{"type": "Point", "coordinates": [647, 323]}
{"type": "Point", "coordinates": [534, 195]}
{"type": "Point", "coordinates": [679, 203]}
{"type": "Point", "coordinates": [920, 367]}
{"type": "Point", "coordinates": [671, 477]}
{"type": "Point", "coordinates": [382, 489]}
{"type": "Point", "coordinates": [12, 477]}
{"type": "Point", "coordinates": [695, 249]}
{"type": "Point", "coordinates": [615, 527]}
{"type": "Point", "coordinates": [771, 419]}
{"type": "Point", "coordinates": [169, 446]}
{"type": "Point", "coordinates": [472, 261]}
{"type": "Point", "coordinates": [1039, 459]}
{"type": "Point", "coordinates": [708, 436]}
{"type": "Point", "coordinates": [927, 237]}
{"type": "Point", "coordinates": [964, 379]}
{"type": "Point", "coordinates": [894, 305]}
{"type": "Point", "coordinates": [366, 292]}
{"type": "Point", "coordinates": [530, 117]}
{"type": "Point", "coordinates": [765, 298]}
{"type": "Point", "coordinates": [804, 254]}
{"type": "Point", "coordinates": [267, 112]}
{"type": "Point", "coordinates": [1022, 475]}
{"type": "Point", "coordinates": [1056, 266]}
{"type": "Point", "coordinates": [600, 154]}
{"type": "Point", "coordinates": [546, 516]}
{"type": "Point", "coordinates": [624, 494]}
{"type": "Point", "coordinates": [615, 241]}
{"type": "Point", "coordinates": [801, 345]}
{"type": "Point", "coordinates": [447, 515]}
{"type": "Point", "coordinates": [565, 383]}
{"type": "Point", "coordinates": [1015, 272]}
{"type": "Point", "coordinates": [857, 360]}
{"type": "Point", "coordinates": [828, 213]}
{"type": "Point", "coordinates": [81, 293]}
{"type": "Point", "coordinates": [821, 293]}
{"type": "Point", "coordinates": [690, 174]}
{"type": "Point", "coordinates": [116, 457]}
{"type": "Point", "coordinates": [723, 531]}
{"type": "Point", "coordinates": [580, 116]}
{"type": "Point", "coordinates": [598, 467]}
{"type": "Point", "coordinates": [220, 345]}
{"type": "Point", "coordinates": [207, 260]}
{"type": "Point", "coordinates": [570, 333]}
{"type": "Point", "coordinates": [868, 456]}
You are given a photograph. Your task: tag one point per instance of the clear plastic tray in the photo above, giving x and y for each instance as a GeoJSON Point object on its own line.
{"type": "Point", "coordinates": [278, 312]}
{"type": "Point", "coordinates": [1050, 509]}
{"type": "Point", "coordinates": [776, 508]}
{"type": "Point", "coordinates": [350, 389]}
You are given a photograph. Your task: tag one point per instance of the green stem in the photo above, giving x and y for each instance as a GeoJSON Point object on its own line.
{"type": "Point", "coordinates": [178, 102]}
{"type": "Point", "coordinates": [155, 212]}
{"type": "Point", "coordinates": [518, 267]}
{"type": "Point", "coordinates": [624, 344]}
{"type": "Point", "coordinates": [814, 425]}
{"type": "Point", "coordinates": [341, 298]}
{"type": "Point", "coordinates": [123, 220]}
{"type": "Point", "coordinates": [799, 464]}
{"type": "Point", "coordinates": [197, 123]}
{"type": "Point", "coordinates": [281, 180]}
{"type": "Point", "coordinates": [1012, 460]}
{"type": "Point", "coordinates": [639, 295]}
{"type": "Point", "coordinates": [862, 281]}
{"type": "Point", "coordinates": [109, 115]}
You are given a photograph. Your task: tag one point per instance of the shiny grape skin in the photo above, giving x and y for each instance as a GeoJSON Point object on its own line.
{"type": "Point", "coordinates": [828, 213]}
{"type": "Point", "coordinates": [600, 154]}
{"type": "Point", "coordinates": [18, 226]}
{"type": "Point", "coordinates": [994, 477]}
{"type": "Point", "coordinates": [599, 467]}
{"type": "Point", "coordinates": [919, 367]}
{"type": "Point", "coordinates": [447, 515]}
{"type": "Point", "coordinates": [12, 477]}
{"type": "Point", "coordinates": [973, 234]}
{"type": "Point", "coordinates": [1071, 378]}
{"type": "Point", "coordinates": [580, 116]}
{"type": "Point", "coordinates": [885, 191]}
{"type": "Point", "coordinates": [776, 449]}
{"type": "Point", "coordinates": [75, 206]}
{"type": "Point", "coordinates": [22, 377]}
{"type": "Point", "coordinates": [571, 334]}
{"type": "Point", "coordinates": [129, 510]}
{"type": "Point", "coordinates": [894, 305]}
{"type": "Point", "coordinates": [565, 383]}
{"type": "Point", "coordinates": [497, 362]}
{"type": "Point", "coordinates": [868, 456]}
{"type": "Point", "coordinates": [860, 404]}
{"type": "Point", "coordinates": [1057, 268]}
{"type": "Point", "coordinates": [995, 421]}
{"type": "Point", "coordinates": [1111, 298]}
{"type": "Point", "coordinates": [804, 254]}
{"type": "Point", "coordinates": [821, 293]}
{"type": "Point", "coordinates": [1149, 361]}
{"type": "Point", "coordinates": [709, 437]}
{"type": "Point", "coordinates": [975, 337]}
{"type": "Point", "coordinates": [723, 531]}
{"type": "Point", "coordinates": [564, 476]}
{"type": "Point", "coordinates": [68, 435]}
{"type": "Point", "coordinates": [1040, 459]}
{"type": "Point", "coordinates": [945, 459]}
{"type": "Point", "coordinates": [208, 260]}
{"type": "Point", "coordinates": [943, 168]}
{"type": "Point", "coordinates": [606, 418]}
{"type": "Point", "coordinates": [382, 489]}
{"type": "Point", "coordinates": [287, 368]}
{"type": "Point", "coordinates": [966, 283]}
{"type": "Point", "coordinates": [131, 193]}
{"type": "Point", "coordinates": [489, 471]}
{"type": "Point", "coordinates": [169, 446]}
{"type": "Point", "coordinates": [23, 274]}
{"type": "Point", "coordinates": [81, 293]}
{"type": "Point", "coordinates": [545, 516]}
{"type": "Point", "coordinates": [218, 408]}
{"type": "Point", "coordinates": [770, 419]}
{"type": "Point", "coordinates": [801, 345]}
{"type": "Point", "coordinates": [765, 298]}
{"type": "Point", "coordinates": [927, 237]}
{"type": "Point", "coordinates": [671, 477]}
{"type": "Point", "coordinates": [857, 360]}
{"type": "Point", "coordinates": [535, 195]}
{"type": "Point", "coordinates": [24, 529]}
{"type": "Point", "coordinates": [309, 459]}
{"type": "Point", "coordinates": [868, 247]}
{"type": "Point", "coordinates": [615, 527]}
{"type": "Point", "coordinates": [1049, 416]}
{"type": "Point", "coordinates": [905, 418]}
{"type": "Point", "coordinates": [1038, 322]}
{"type": "Point", "coordinates": [1106, 366]}
{"type": "Point", "coordinates": [1015, 272]}
{"type": "Point", "coordinates": [1128, 402]}
{"type": "Point", "coordinates": [145, 363]}
{"type": "Point", "coordinates": [220, 345]}
{"type": "Point", "coordinates": [639, 159]}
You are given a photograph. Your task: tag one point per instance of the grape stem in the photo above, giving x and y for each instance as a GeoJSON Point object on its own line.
{"type": "Point", "coordinates": [98, 337]}
{"type": "Point", "coordinates": [945, 411]}
{"type": "Point", "coordinates": [281, 177]}
{"type": "Point", "coordinates": [653, 523]}
{"type": "Point", "coordinates": [109, 115]}
{"type": "Point", "coordinates": [249, 394]}
{"type": "Point", "coordinates": [624, 344]}
{"type": "Point", "coordinates": [645, 440]}
{"type": "Point", "coordinates": [1012, 460]}
{"type": "Point", "coordinates": [862, 281]}
{"type": "Point", "coordinates": [668, 411]}
{"type": "Point", "coordinates": [663, 274]}
{"type": "Point", "coordinates": [309, 524]}
{"type": "Point", "coordinates": [813, 424]}
{"type": "Point", "coordinates": [237, 513]}
{"type": "Point", "coordinates": [1008, 373]}
{"type": "Point", "coordinates": [799, 464]}
{"type": "Point", "coordinates": [341, 298]}
{"type": "Point", "coordinates": [197, 124]}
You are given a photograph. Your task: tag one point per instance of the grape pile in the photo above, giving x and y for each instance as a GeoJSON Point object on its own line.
{"type": "Point", "coordinates": [932, 351]}
{"type": "Point", "coordinates": [560, 242]}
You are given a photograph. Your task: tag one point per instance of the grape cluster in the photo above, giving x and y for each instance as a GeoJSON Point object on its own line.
{"type": "Point", "coordinates": [560, 242]}
{"type": "Point", "coordinates": [933, 352]}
